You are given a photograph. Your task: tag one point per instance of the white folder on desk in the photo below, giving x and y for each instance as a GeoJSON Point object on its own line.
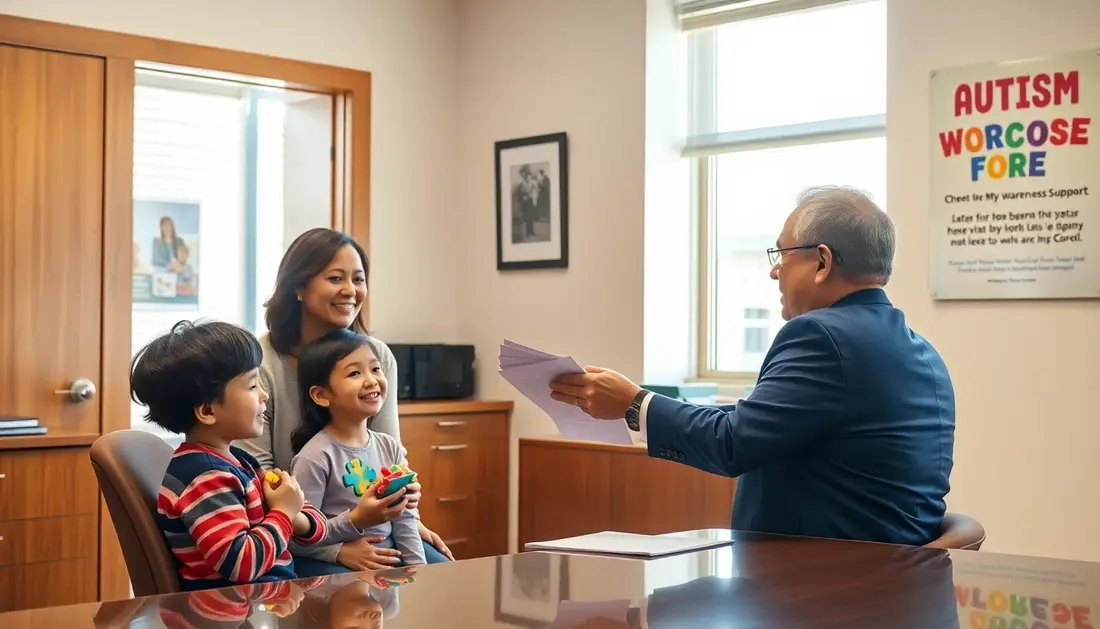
{"type": "Point", "coordinates": [630, 544]}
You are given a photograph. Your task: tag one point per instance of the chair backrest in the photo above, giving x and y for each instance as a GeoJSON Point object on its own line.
{"type": "Point", "coordinates": [960, 532]}
{"type": "Point", "coordinates": [130, 466]}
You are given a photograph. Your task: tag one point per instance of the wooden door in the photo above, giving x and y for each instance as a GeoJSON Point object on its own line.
{"type": "Point", "coordinates": [51, 234]}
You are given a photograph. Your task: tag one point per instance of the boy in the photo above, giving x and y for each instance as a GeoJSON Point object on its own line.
{"type": "Point", "coordinates": [202, 380]}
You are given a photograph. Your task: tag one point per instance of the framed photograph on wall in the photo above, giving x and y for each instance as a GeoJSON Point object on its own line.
{"type": "Point", "coordinates": [166, 252]}
{"type": "Point", "coordinates": [533, 203]}
{"type": "Point", "coordinates": [529, 588]}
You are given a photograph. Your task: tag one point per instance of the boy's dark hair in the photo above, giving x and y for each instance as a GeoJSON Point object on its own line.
{"type": "Point", "coordinates": [307, 256]}
{"type": "Point", "coordinates": [315, 365]}
{"type": "Point", "coordinates": [188, 367]}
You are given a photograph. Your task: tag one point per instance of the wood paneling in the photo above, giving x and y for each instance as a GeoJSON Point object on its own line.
{"type": "Point", "coordinates": [460, 452]}
{"type": "Point", "coordinates": [51, 213]}
{"type": "Point", "coordinates": [571, 488]}
{"type": "Point", "coordinates": [114, 581]}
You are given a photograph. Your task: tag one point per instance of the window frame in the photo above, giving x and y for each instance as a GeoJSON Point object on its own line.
{"type": "Point", "coordinates": [705, 143]}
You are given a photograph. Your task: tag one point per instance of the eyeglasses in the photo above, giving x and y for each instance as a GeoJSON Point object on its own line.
{"type": "Point", "coordinates": [774, 254]}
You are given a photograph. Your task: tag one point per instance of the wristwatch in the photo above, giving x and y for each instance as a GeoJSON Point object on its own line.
{"type": "Point", "coordinates": [634, 411]}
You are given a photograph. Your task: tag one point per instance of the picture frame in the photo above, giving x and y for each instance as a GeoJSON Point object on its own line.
{"type": "Point", "coordinates": [532, 194]}
{"type": "Point", "coordinates": [529, 588]}
{"type": "Point", "coordinates": [166, 254]}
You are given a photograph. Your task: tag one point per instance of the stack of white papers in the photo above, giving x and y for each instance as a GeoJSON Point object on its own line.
{"type": "Point", "coordinates": [613, 543]}
{"type": "Point", "coordinates": [530, 372]}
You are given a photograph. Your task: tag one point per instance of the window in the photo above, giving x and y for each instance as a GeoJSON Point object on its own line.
{"type": "Point", "coordinates": [757, 331]}
{"type": "Point", "coordinates": [786, 94]}
{"type": "Point", "coordinates": [226, 174]}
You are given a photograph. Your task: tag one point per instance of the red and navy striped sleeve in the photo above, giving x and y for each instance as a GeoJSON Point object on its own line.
{"type": "Point", "coordinates": [213, 508]}
{"type": "Point", "coordinates": [318, 526]}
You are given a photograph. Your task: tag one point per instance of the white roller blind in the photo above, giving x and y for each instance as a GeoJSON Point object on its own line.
{"type": "Point", "coordinates": [189, 146]}
{"type": "Point", "coordinates": [707, 13]}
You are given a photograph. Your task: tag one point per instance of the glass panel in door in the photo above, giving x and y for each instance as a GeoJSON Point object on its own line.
{"type": "Point", "coordinates": [227, 172]}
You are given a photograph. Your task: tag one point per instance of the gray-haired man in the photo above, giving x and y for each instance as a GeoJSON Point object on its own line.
{"type": "Point", "coordinates": [850, 430]}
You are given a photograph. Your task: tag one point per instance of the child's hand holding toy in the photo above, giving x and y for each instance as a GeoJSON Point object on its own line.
{"type": "Point", "coordinates": [385, 499]}
{"type": "Point", "coordinates": [283, 494]}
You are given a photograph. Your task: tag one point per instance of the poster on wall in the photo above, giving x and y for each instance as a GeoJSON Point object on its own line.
{"type": "Point", "coordinates": [1015, 179]}
{"type": "Point", "coordinates": [166, 252]}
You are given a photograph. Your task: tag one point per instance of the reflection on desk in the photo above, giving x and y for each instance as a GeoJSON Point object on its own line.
{"type": "Point", "coordinates": [764, 581]}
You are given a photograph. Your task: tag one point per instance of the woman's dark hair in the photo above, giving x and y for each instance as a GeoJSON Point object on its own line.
{"type": "Point", "coordinates": [171, 223]}
{"type": "Point", "coordinates": [188, 367]}
{"type": "Point", "coordinates": [307, 256]}
{"type": "Point", "coordinates": [315, 365]}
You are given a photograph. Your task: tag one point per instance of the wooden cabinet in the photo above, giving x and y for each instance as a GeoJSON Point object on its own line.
{"type": "Point", "coordinates": [49, 528]}
{"type": "Point", "coordinates": [571, 488]}
{"type": "Point", "coordinates": [460, 452]}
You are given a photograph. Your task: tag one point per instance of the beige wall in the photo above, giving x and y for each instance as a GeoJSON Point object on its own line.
{"type": "Point", "coordinates": [529, 68]}
{"type": "Point", "coordinates": [1026, 375]}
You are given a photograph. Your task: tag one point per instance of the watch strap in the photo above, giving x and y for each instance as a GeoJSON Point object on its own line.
{"type": "Point", "coordinates": [634, 411]}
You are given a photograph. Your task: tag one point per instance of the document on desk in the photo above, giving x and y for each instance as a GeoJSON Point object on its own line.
{"type": "Point", "coordinates": [530, 371]}
{"type": "Point", "coordinates": [632, 544]}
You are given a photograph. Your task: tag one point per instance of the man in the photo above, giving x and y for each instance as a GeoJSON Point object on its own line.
{"type": "Point", "coordinates": [849, 432]}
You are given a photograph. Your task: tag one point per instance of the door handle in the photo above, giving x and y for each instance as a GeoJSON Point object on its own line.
{"type": "Point", "coordinates": [81, 390]}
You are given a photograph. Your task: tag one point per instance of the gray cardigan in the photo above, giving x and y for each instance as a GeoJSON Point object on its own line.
{"type": "Point", "coordinates": [284, 412]}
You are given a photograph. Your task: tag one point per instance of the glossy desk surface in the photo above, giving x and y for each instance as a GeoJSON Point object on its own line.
{"type": "Point", "coordinates": [759, 581]}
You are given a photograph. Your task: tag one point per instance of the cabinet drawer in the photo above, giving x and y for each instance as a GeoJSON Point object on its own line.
{"type": "Point", "coordinates": [47, 484]}
{"type": "Point", "coordinates": [48, 584]}
{"type": "Point", "coordinates": [48, 539]}
{"type": "Point", "coordinates": [452, 429]}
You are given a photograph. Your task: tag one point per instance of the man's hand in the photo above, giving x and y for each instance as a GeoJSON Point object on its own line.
{"type": "Point", "coordinates": [602, 393]}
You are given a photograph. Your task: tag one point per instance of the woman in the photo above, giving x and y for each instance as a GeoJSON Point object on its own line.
{"type": "Point", "coordinates": [165, 247]}
{"type": "Point", "coordinates": [321, 286]}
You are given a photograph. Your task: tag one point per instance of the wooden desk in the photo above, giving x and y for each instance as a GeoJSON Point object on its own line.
{"type": "Point", "coordinates": [759, 581]}
{"type": "Point", "coordinates": [571, 488]}
{"type": "Point", "coordinates": [461, 451]}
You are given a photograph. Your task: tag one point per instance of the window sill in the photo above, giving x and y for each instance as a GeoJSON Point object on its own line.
{"type": "Point", "coordinates": [730, 389]}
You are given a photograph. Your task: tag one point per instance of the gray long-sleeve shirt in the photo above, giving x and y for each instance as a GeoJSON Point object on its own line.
{"type": "Point", "coordinates": [333, 476]}
{"type": "Point", "coordinates": [284, 411]}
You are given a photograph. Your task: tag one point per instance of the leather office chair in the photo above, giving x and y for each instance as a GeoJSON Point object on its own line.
{"type": "Point", "coordinates": [130, 466]}
{"type": "Point", "coordinates": [959, 531]}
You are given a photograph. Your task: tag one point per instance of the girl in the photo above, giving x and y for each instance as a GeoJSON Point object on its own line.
{"type": "Point", "coordinates": [321, 286]}
{"type": "Point", "coordinates": [342, 387]}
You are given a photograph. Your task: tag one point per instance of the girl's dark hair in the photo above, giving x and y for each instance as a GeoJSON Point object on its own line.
{"type": "Point", "coordinates": [315, 365]}
{"type": "Point", "coordinates": [188, 367]}
{"type": "Point", "coordinates": [307, 256]}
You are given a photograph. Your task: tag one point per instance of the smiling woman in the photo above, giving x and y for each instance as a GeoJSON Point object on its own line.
{"type": "Point", "coordinates": [320, 287]}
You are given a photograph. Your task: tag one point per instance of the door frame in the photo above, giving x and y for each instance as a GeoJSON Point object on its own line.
{"type": "Point", "coordinates": [351, 92]}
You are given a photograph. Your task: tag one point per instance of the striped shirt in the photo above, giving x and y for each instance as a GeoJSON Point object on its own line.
{"type": "Point", "coordinates": [212, 513]}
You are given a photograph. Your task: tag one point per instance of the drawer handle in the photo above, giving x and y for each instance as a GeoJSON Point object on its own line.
{"type": "Point", "coordinates": [457, 540]}
{"type": "Point", "coordinates": [450, 424]}
{"type": "Point", "coordinates": [3, 476]}
{"type": "Point", "coordinates": [457, 446]}
{"type": "Point", "coordinates": [450, 498]}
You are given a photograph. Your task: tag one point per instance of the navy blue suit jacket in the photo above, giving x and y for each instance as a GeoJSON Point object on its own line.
{"type": "Point", "coordinates": [848, 434]}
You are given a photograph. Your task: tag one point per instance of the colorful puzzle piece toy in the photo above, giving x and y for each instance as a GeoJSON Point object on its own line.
{"type": "Point", "coordinates": [393, 478]}
{"type": "Point", "coordinates": [359, 478]}
{"type": "Point", "coordinates": [391, 580]}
